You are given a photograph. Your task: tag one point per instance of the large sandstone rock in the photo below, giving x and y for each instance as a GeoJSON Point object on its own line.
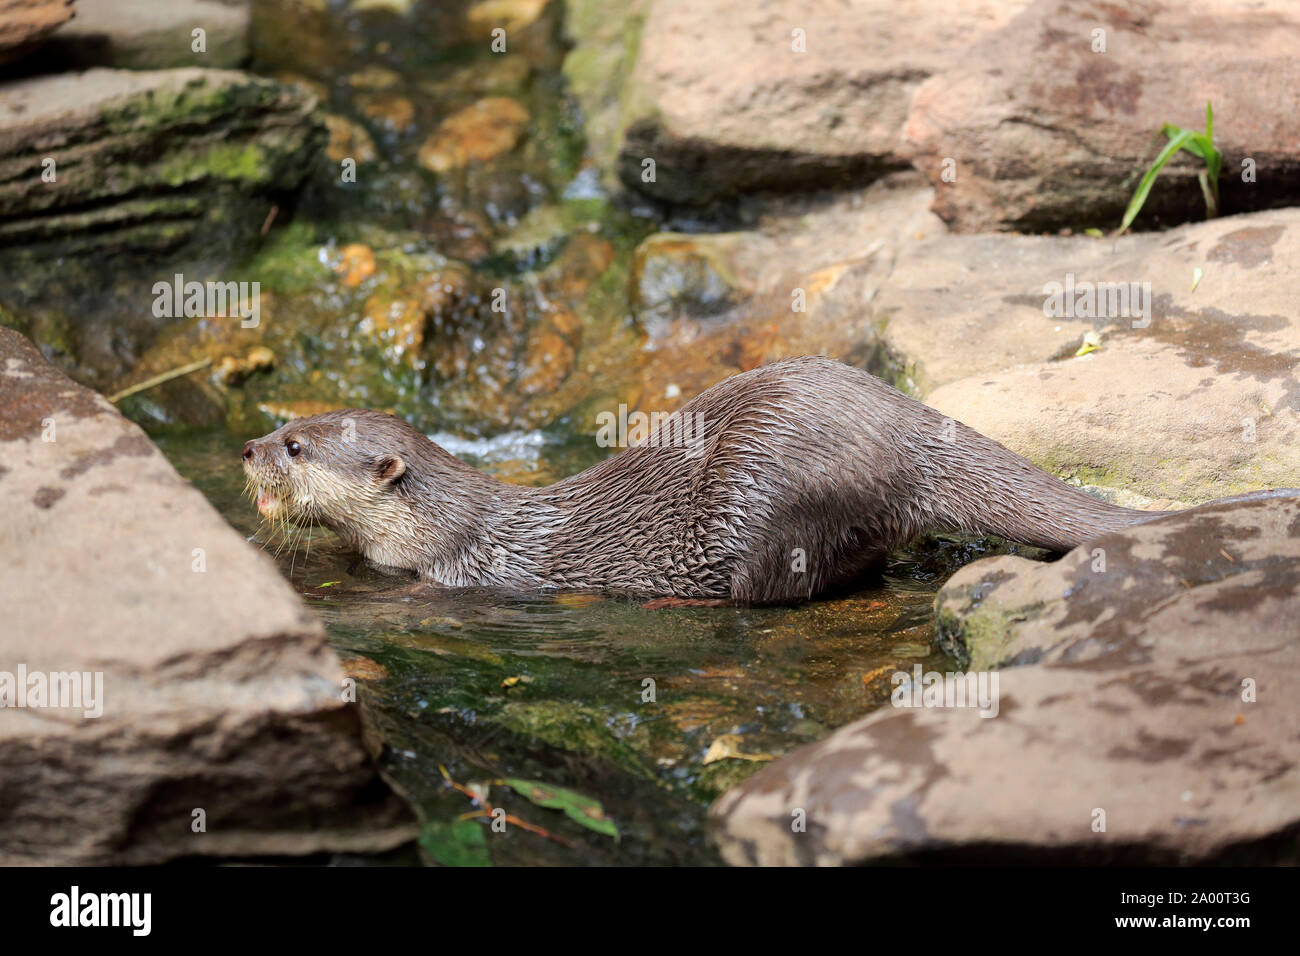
{"type": "Point", "coordinates": [219, 692]}
{"type": "Point", "coordinates": [1047, 133]}
{"type": "Point", "coordinates": [25, 23]}
{"type": "Point", "coordinates": [1191, 395]}
{"type": "Point", "coordinates": [148, 35]}
{"type": "Point", "coordinates": [723, 103]}
{"type": "Point", "coordinates": [1159, 704]}
{"type": "Point", "coordinates": [1203, 401]}
{"type": "Point", "coordinates": [147, 162]}
{"type": "Point", "coordinates": [114, 180]}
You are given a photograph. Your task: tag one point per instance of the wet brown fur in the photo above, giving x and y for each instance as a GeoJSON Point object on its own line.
{"type": "Point", "coordinates": [803, 456]}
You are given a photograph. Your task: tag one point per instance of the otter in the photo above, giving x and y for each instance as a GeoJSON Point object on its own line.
{"type": "Point", "coordinates": [773, 486]}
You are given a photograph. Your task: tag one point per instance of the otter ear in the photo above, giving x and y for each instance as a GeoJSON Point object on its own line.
{"type": "Point", "coordinates": [388, 469]}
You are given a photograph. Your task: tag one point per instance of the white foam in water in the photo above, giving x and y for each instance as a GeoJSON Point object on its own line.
{"type": "Point", "coordinates": [524, 446]}
{"type": "Point", "coordinates": [585, 185]}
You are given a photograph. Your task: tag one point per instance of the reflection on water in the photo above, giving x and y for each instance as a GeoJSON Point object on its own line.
{"type": "Point", "coordinates": [651, 712]}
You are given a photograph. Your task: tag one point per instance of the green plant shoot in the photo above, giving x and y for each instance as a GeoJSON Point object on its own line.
{"type": "Point", "coordinates": [1198, 144]}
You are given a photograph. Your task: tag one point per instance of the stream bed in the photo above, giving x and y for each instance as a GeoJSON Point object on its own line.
{"type": "Point", "coordinates": [649, 714]}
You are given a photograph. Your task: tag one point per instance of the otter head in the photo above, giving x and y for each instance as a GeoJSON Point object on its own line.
{"type": "Point", "coordinates": [341, 469]}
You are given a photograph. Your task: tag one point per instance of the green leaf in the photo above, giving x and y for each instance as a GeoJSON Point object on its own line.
{"type": "Point", "coordinates": [1144, 187]}
{"type": "Point", "coordinates": [455, 843]}
{"type": "Point", "coordinates": [583, 810]}
{"type": "Point", "coordinates": [1196, 145]}
{"type": "Point", "coordinates": [1200, 145]}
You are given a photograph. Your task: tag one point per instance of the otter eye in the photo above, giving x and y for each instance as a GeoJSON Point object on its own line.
{"type": "Point", "coordinates": [293, 448]}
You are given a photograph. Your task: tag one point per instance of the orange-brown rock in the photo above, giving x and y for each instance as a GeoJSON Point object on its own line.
{"type": "Point", "coordinates": [356, 264]}
{"type": "Point", "coordinates": [25, 23]}
{"type": "Point", "coordinates": [476, 134]}
{"type": "Point", "coordinates": [348, 140]}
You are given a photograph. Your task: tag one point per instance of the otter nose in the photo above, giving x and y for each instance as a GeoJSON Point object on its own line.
{"type": "Point", "coordinates": [248, 451]}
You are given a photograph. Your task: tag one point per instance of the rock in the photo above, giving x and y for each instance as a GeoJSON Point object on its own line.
{"type": "Point", "coordinates": [503, 74]}
{"type": "Point", "coordinates": [443, 290]}
{"type": "Point", "coordinates": [374, 77]}
{"type": "Point", "coordinates": [398, 8]}
{"type": "Point", "coordinates": [1142, 417]}
{"type": "Point", "coordinates": [531, 28]}
{"type": "Point", "coordinates": [393, 113]}
{"type": "Point", "coordinates": [396, 322]}
{"type": "Point", "coordinates": [113, 181]}
{"type": "Point", "coordinates": [476, 134]}
{"type": "Point", "coordinates": [233, 370]}
{"type": "Point", "coordinates": [675, 274]}
{"type": "Point", "coordinates": [348, 140]}
{"type": "Point", "coordinates": [300, 36]}
{"type": "Point", "coordinates": [802, 282]}
{"type": "Point", "coordinates": [1047, 133]}
{"type": "Point", "coordinates": [536, 239]}
{"type": "Point", "coordinates": [1198, 401]}
{"type": "Point", "coordinates": [507, 14]}
{"type": "Point", "coordinates": [1202, 402]}
{"type": "Point", "coordinates": [597, 68]}
{"type": "Point", "coordinates": [968, 306]}
{"type": "Point", "coordinates": [147, 35]}
{"type": "Point", "coordinates": [232, 704]}
{"type": "Point", "coordinates": [24, 24]}
{"type": "Point", "coordinates": [1159, 705]}
{"type": "Point", "coordinates": [356, 264]}
{"type": "Point", "coordinates": [724, 103]}
{"type": "Point", "coordinates": [1174, 590]}
{"type": "Point", "coordinates": [315, 87]}
{"type": "Point", "coordinates": [150, 164]}
{"type": "Point", "coordinates": [547, 364]}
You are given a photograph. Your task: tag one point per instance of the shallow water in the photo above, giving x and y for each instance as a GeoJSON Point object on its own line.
{"type": "Point", "coordinates": [584, 691]}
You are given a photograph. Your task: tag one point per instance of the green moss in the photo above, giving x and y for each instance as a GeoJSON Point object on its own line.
{"type": "Point", "coordinates": [979, 635]}
{"type": "Point", "coordinates": [165, 107]}
{"type": "Point", "coordinates": [12, 320]}
{"type": "Point", "coordinates": [233, 162]}
{"type": "Point", "coordinates": [289, 262]}
{"type": "Point", "coordinates": [404, 265]}
{"type": "Point", "coordinates": [1061, 463]}
{"type": "Point", "coordinates": [598, 71]}
{"type": "Point", "coordinates": [717, 778]}
{"type": "Point", "coordinates": [895, 368]}
{"type": "Point", "coordinates": [570, 727]}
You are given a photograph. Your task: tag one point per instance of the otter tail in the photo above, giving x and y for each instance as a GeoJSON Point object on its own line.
{"type": "Point", "coordinates": [983, 487]}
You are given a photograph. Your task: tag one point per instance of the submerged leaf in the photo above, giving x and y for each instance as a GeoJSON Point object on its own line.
{"type": "Point", "coordinates": [727, 747]}
{"type": "Point", "coordinates": [580, 809]}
